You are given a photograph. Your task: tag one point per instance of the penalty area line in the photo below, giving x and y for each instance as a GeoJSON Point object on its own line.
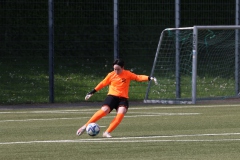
{"type": "Point", "coordinates": [136, 139]}
{"type": "Point", "coordinates": [128, 116]}
{"type": "Point", "coordinates": [119, 141]}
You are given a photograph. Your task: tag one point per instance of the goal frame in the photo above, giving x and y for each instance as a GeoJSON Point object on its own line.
{"type": "Point", "coordinates": [195, 29]}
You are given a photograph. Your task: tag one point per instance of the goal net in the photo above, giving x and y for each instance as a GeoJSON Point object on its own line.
{"type": "Point", "coordinates": [195, 63]}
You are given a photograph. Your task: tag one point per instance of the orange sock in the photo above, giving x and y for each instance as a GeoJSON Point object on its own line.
{"type": "Point", "coordinates": [115, 122]}
{"type": "Point", "coordinates": [98, 115]}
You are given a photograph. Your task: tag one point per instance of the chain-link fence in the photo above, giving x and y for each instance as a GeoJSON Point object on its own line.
{"type": "Point", "coordinates": [83, 43]}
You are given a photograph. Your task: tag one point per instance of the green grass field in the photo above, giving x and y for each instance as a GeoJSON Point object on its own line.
{"type": "Point", "coordinates": [29, 83]}
{"type": "Point", "coordinates": [152, 132]}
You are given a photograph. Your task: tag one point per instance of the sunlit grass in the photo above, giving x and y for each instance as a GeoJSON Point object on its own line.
{"type": "Point", "coordinates": [207, 87]}
{"type": "Point", "coordinates": [30, 84]}
{"type": "Point", "coordinates": [146, 133]}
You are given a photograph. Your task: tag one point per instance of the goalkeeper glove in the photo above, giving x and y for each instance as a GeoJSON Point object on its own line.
{"type": "Point", "coordinates": [90, 94]}
{"type": "Point", "coordinates": [154, 79]}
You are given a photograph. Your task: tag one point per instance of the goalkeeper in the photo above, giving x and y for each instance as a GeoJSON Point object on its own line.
{"type": "Point", "coordinates": [117, 97]}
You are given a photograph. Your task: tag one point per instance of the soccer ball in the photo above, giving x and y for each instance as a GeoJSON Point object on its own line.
{"type": "Point", "coordinates": [93, 129]}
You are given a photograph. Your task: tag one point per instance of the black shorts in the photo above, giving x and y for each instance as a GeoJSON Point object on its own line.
{"type": "Point", "coordinates": [114, 102]}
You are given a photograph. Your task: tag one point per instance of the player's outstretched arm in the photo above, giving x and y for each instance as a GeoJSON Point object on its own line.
{"type": "Point", "coordinates": [90, 94]}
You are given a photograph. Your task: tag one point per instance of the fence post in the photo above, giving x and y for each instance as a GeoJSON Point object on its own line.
{"type": "Point", "coordinates": [115, 29]}
{"type": "Point", "coordinates": [237, 49]}
{"type": "Point", "coordinates": [51, 50]}
{"type": "Point", "coordinates": [177, 25]}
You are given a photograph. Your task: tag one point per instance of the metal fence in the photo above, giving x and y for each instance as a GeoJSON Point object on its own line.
{"type": "Point", "coordinates": [83, 43]}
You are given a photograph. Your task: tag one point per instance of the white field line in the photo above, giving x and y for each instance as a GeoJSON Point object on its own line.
{"type": "Point", "coordinates": [186, 106]}
{"type": "Point", "coordinates": [131, 108]}
{"type": "Point", "coordinates": [144, 115]}
{"type": "Point", "coordinates": [49, 112]}
{"type": "Point", "coordinates": [136, 139]}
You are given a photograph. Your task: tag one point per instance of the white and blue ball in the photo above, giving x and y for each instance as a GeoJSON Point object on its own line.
{"type": "Point", "coordinates": [93, 129]}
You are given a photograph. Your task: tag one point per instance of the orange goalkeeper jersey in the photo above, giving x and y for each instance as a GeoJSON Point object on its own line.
{"type": "Point", "coordinates": [119, 84]}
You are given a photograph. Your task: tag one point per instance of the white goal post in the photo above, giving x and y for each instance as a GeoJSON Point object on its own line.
{"type": "Point", "coordinates": [195, 63]}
